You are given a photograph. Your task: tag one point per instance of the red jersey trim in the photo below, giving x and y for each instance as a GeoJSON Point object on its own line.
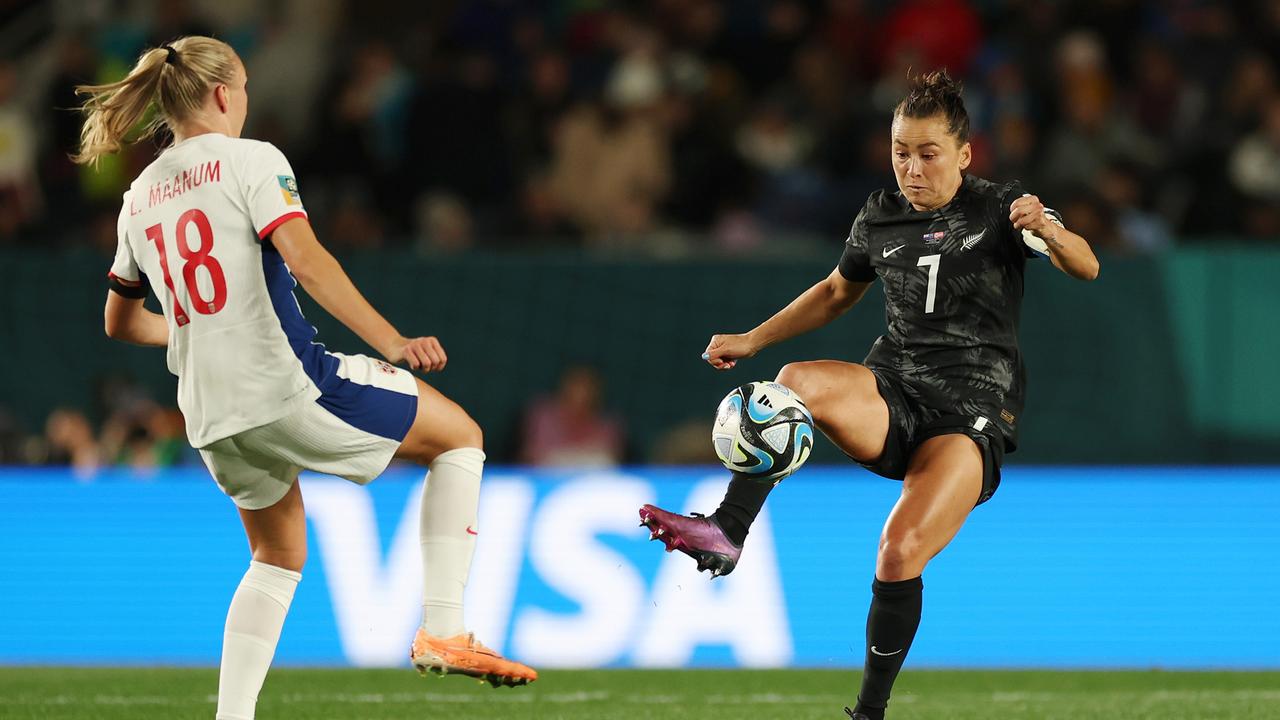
{"type": "Point", "coordinates": [270, 228]}
{"type": "Point", "coordinates": [122, 281]}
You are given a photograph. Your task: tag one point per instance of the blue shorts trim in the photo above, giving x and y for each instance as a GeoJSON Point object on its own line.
{"type": "Point", "coordinates": [375, 410]}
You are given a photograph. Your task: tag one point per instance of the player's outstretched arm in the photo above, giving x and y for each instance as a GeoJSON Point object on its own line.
{"type": "Point", "coordinates": [127, 320]}
{"type": "Point", "coordinates": [817, 306]}
{"type": "Point", "coordinates": [324, 279]}
{"type": "Point", "coordinates": [1068, 252]}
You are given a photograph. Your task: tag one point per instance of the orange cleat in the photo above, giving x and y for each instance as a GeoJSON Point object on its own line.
{"type": "Point", "coordinates": [464, 655]}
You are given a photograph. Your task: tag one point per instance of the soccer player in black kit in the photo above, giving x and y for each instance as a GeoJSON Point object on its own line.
{"type": "Point", "coordinates": [937, 401]}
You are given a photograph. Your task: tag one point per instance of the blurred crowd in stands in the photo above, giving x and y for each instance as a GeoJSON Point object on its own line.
{"type": "Point", "coordinates": [672, 123]}
{"type": "Point", "coordinates": [122, 427]}
{"type": "Point", "coordinates": [569, 426]}
{"type": "Point", "coordinates": [659, 126]}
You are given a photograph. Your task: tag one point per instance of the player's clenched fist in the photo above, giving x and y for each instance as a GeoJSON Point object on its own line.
{"type": "Point", "coordinates": [1027, 213]}
{"type": "Point", "coordinates": [421, 353]}
{"type": "Point", "coordinates": [724, 351]}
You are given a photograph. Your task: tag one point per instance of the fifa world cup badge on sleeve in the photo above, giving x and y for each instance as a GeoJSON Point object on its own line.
{"type": "Point", "coordinates": [289, 189]}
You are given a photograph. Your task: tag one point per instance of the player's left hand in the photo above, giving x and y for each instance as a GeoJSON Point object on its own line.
{"type": "Point", "coordinates": [1027, 213]}
{"type": "Point", "coordinates": [422, 353]}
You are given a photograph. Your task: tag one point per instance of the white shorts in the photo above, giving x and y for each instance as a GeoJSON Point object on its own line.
{"type": "Point", "coordinates": [352, 430]}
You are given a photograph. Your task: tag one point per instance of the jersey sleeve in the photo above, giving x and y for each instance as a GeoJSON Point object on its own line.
{"type": "Point", "coordinates": [271, 189]}
{"type": "Point", "coordinates": [1025, 240]}
{"type": "Point", "coordinates": [125, 277]}
{"type": "Point", "coordinates": [855, 263]}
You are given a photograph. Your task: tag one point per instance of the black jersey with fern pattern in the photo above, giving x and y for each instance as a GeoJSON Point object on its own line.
{"type": "Point", "coordinates": [953, 282]}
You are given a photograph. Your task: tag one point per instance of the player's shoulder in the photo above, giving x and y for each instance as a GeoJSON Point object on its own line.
{"type": "Point", "coordinates": [985, 190]}
{"type": "Point", "coordinates": [249, 144]}
{"type": "Point", "coordinates": [883, 204]}
{"type": "Point", "coordinates": [248, 150]}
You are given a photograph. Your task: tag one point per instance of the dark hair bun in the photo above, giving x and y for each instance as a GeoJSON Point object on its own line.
{"type": "Point", "coordinates": [939, 83]}
{"type": "Point", "coordinates": [937, 93]}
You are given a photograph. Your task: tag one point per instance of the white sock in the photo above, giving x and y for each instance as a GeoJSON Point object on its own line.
{"type": "Point", "coordinates": [448, 535]}
{"type": "Point", "coordinates": [253, 627]}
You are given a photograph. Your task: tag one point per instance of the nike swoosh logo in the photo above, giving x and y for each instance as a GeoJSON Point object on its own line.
{"type": "Point", "coordinates": [471, 532]}
{"type": "Point", "coordinates": [877, 652]}
{"type": "Point", "coordinates": [887, 252]}
{"type": "Point", "coordinates": [973, 240]}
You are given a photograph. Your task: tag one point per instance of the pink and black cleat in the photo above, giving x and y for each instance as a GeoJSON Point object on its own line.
{"type": "Point", "coordinates": [698, 536]}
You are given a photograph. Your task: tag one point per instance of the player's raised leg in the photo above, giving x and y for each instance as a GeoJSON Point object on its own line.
{"type": "Point", "coordinates": [943, 482]}
{"type": "Point", "coordinates": [846, 405]}
{"type": "Point", "coordinates": [445, 439]}
{"type": "Point", "coordinates": [278, 540]}
{"type": "Point", "coordinates": [847, 408]}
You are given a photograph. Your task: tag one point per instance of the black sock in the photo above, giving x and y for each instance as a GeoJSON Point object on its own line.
{"type": "Point", "coordinates": [742, 502]}
{"type": "Point", "coordinates": [891, 626]}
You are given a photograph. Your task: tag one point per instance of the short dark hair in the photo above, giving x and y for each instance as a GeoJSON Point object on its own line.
{"type": "Point", "coordinates": [936, 93]}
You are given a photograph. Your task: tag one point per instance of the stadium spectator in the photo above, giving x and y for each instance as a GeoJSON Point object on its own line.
{"type": "Point", "coordinates": [152, 437]}
{"type": "Point", "coordinates": [612, 161]}
{"type": "Point", "coordinates": [458, 141]}
{"type": "Point", "coordinates": [733, 126]}
{"type": "Point", "coordinates": [1137, 228]}
{"type": "Point", "coordinates": [541, 99]}
{"type": "Point", "coordinates": [443, 224]}
{"type": "Point", "coordinates": [13, 442]}
{"type": "Point", "coordinates": [942, 33]}
{"type": "Point", "coordinates": [539, 219]}
{"type": "Point", "coordinates": [1255, 171]}
{"type": "Point", "coordinates": [685, 443]}
{"type": "Point", "coordinates": [1255, 162]}
{"type": "Point", "coordinates": [570, 428]}
{"type": "Point", "coordinates": [19, 191]}
{"type": "Point", "coordinates": [75, 61]}
{"type": "Point", "coordinates": [685, 116]}
{"type": "Point", "coordinates": [351, 214]}
{"type": "Point", "coordinates": [1095, 130]}
{"type": "Point", "coordinates": [1092, 213]}
{"type": "Point", "coordinates": [68, 439]}
{"type": "Point", "coordinates": [1164, 106]}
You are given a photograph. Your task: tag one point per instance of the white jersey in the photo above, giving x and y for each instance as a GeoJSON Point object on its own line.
{"type": "Point", "coordinates": [193, 223]}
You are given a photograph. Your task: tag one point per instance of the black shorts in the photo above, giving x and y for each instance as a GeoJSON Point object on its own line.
{"type": "Point", "coordinates": [912, 422]}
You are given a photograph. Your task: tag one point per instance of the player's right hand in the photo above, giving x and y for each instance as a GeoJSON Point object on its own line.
{"type": "Point", "coordinates": [724, 351]}
{"type": "Point", "coordinates": [420, 353]}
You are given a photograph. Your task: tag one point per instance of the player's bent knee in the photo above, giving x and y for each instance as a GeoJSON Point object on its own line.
{"type": "Point", "coordinates": [901, 556]}
{"type": "Point", "coordinates": [464, 433]}
{"type": "Point", "coordinates": [439, 433]}
{"type": "Point", "coordinates": [456, 429]}
{"type": "Point", "coordinates": [472, 435]}
{"type": "Point", "coordinates": [796, 376]}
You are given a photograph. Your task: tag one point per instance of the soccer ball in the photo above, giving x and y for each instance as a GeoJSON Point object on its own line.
{"type": "Point", "coordinates": [764, 430]}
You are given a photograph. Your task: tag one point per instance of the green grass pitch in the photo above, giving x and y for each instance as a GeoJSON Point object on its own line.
{"type": "Point", "coordinates": [305, 694]}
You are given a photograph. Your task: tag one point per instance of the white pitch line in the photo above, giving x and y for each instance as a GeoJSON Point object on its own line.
{"type": "Point", "coordinates": [113, 700]}
{"type": "Point", "coordinates": [1144, 696]}
{"type": "Point", "coordinates": [575, 697]}
{"type": "Point", "coordinates": [772, 699]}
{"type": "Point", "coordinates": [654, 699]}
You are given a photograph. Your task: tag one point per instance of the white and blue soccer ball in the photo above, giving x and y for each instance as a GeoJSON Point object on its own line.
{"type": "Point", "coordinates": [763, 429]}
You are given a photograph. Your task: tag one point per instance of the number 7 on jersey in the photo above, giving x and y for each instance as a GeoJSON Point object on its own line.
{"type": "Point", "coordinates": [932, 262]}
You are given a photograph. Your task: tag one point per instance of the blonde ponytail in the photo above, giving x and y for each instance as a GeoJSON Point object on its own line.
{"type": "Point", "coordinates": [176, 77]}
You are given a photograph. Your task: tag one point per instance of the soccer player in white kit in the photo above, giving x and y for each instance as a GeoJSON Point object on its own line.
{"type": "Point", "coordinates": [215, 226]}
